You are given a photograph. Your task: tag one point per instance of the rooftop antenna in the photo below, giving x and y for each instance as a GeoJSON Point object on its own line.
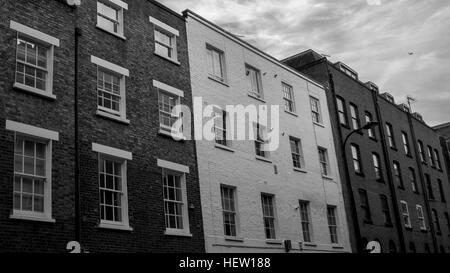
{"type": "Point", "coordinates": [410, 100]}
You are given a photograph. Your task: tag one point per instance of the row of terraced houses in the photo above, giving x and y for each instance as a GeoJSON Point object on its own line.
{"type": "Point", "coordinates": [94, 149]}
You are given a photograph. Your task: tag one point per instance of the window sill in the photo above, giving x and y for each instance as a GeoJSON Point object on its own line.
{"type": "Point", "coordinates": [300, 170]}
{"type": "Point", "coordinates": [112, 33]}
{"type": "Point", "coordinates": [274, 242]}
{"type": "Point", "coordinates": [167, 58]}
{"type": "Point", "coordinates": [116, 227]}
{"type": "Point", "coordinates": [223, 147]}
{"type": "Point", "coordinates": [256, 98]}
{"type": "Point", "coordinates": [112, 117]}
{"type": "Point", "coordinates": [291, 113]}
{"type": "Point", "coordinates": [179, 233]}
{"type": "Point", "coordinates": [337, 246]}
{"type": "Point", "coordinates": [35, 91]}
{"type": "Point", "coordinates": [373, 139]}
{"type": "Point", "coordinates": [310, 244]}
{"type": "Point", "coordinates": [32, 218]}
{"type": "Point", "coordinates": [169, 134]}
{"type": "Point", "coordinates": [319, 124]}
{"type": "Point", "coordinates": [260, 158]}
{"type": "Point", "coordinates": [218, 81]}
{"type": "Point", "coordinates": [326, 177]}
{"type": "Point", "coordinates": [234, 239]}
{"type": "Point", "coordinates": [394, 149]}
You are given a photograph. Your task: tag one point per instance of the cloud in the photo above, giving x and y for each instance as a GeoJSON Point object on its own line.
{"type": "Point", "coordinates": [371, 36]}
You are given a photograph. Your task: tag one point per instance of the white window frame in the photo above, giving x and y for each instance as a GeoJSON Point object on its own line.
{"type": "Point", "coordinates": [172, 33]}
{"type": "Point", "coordinates": [325, 163]}
{"type": "Point", "coordinates": [178, 94]}
{"type": "Point", "coordinates": [43, 39]}
{"type": "Point", "coordinates": [117, 155]}
{"type": "Point", "coordinates": [224, 129]}
{"type": "Point", "coordinates": [376, 160]}
{"type": "Point", "coordinates": [354, 116]}
{"type": "Point", "coordinates": [210, 64]}
{"type": "Point", "coordinates": [274, 216]}
{"type": "Point", "coordinates": [44, 136]}
{"type": "Point", "coordinates": [120, 6]}
{"type": "Point", "coordinates": [248, 70]}
{"type": "Point", "coordinates": [288, 90]}
{"type": "Point", "coordinates": [336, 225]}
{"type": "Point", "coordinates": [405, 213]}
{"type": "Point", "coordinates": [179, 170]}
{"type": "Point", "coordinates": [421, 217]}
{"type": "Point", "coordinates": [306, 221]}
{"type": "Point", "coordinates": [261, 130]}
{"type": "Point", "coordinates": [121, 72]}
{"type": "Point", "coordinates": [298, 143]}
{"type": "Point", "coordinates": [313, 100]}
{"type": "Point", "coordinates": [235, 212]}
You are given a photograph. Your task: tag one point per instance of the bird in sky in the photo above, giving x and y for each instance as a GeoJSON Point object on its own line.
{"type": "Point", "coordinates": [410, 53]}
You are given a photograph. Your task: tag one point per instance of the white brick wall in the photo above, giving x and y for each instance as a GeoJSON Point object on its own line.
{"type": "Point", "coordinates": [251, 176]}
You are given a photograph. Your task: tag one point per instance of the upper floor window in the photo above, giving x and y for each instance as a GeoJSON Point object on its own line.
{"type": "Point", "coordinates": [390, 135]}
{"type": "Point", "coordinates": [429, 187]}
{"type": "Point", "coordinates": [220, 128]}
{"type": "Point", "coordinates": [405, 214]}
{"type": "Point", "coordinates": [332, 224]}
{"type": "Point", "coordinates": [169, 116]}
{"type": "Point", "coordinates": [436, 158]}
{"type": "Point", "coordinates": [385, 210]}
{"type": "Point", "coordinates": [315, 110]}
{"type": "Point", "coordinates": [413, 180]}
{"type": "Point", "coordinates": [229, 210]}
{"type": "Point", "coordinates": [165, 40]}
{"type": "Point", "coordinates": [421, 217]}
{"type": "Point", "coordinates": [447, 219]}
{"type": "Point", "coordinates": [111, 94]}
{"type": "Point", "coordinates": [365, 205]}
{"type": "Point", "coordinates": [288, 97]}
{"type": "Point", "coordinates": [355, 116]}
{"type": "Point", "coordinates": [430, 156]}
{"type": "Point", "coordinates": [441, 190]}
{"type": "Point", "coordinates": [398, 174]}
{"type": "Point", "coordinates": [175, 197]}
{"type": "Point", "coordinates": [297, 153]}
{"type": "Point", "coordinates": [261, 141]}
{"type": "Point", "coordinates": [216, 63]}
{"type": "Point", "coordinates": [406, 144]}
{"type": "Point", "coordinates": [437, 225]}
{"type": "Point", "coordinates": [254, 83]}
{"type": "Point", "coordinates": [32, 189]}
{"type": "Point", "coordinates": [269, 218]}
{"type": "Point", "coordinates": [342, 111]}
{"type": "Point", "coordinates": [110, 16]}
{"type": "Point", "coordinates": [112, 177]}
{"type": "Point", "coordinates": [324, 162]}
{"type": "Point", "coordinates": [34, 60]}
{"type": "Point", "coordinates": [356, 156]}
{"type": "Point", "coordinates": [370, 131]}
{"type": "Point", "coordinates": [377, 166]}
{"type": "Point", "coordinates": [421, 151]}
{"type": "Point", "coordinates": [306, 221]}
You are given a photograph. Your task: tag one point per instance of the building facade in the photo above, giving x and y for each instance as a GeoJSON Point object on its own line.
{"type": "Point", "coordinates": [288, 199]}
{"type": "Point", "coordinates": [396, 185]}
{"type": "Point", "coordinates": [95, 84]}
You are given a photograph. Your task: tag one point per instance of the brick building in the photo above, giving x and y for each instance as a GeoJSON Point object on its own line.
{"type": "Point", "coordinates": [254, 200]}
{"type": "Point", "coordinates": [397, 189]}
{"type": "Point", "coordinates": [136, 189]}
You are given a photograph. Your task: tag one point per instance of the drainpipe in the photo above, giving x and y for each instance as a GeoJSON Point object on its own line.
{"type": "Point", "coordinates": [76, 136]}
{"type": "Point", "coordinates": [398, 218]}
{"type": "Point", "coordinates": [424, 189]}
{"type": "Point", "coordinates": [354, 211]}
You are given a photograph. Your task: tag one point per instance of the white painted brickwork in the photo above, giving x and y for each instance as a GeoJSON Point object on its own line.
{"type": "Point", "coordinates": [250, 176]}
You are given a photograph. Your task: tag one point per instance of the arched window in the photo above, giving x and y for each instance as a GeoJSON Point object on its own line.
{"type": "Point", "coordinates": [392, 247]}
{"type": "Point", "coordinates": [412, 247]}
{"type": "Point", "coordinates": [427, 248]}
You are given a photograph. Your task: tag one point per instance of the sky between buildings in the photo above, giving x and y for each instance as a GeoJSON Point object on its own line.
{"type": "Point", "coordinates": [374, 37]}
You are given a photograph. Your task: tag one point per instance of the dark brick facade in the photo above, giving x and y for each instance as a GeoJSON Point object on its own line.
{"type": "Point", "coordinates": [355, 92]}
{"type": "Point", "coordinates": [144, 182]}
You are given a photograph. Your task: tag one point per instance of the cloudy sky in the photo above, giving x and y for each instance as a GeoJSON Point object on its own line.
{"type": "Point", "coordinates": [373, 37]}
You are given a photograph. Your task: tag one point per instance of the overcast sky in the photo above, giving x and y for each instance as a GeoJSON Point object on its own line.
{"type": "Point", "coordinates": [373, 37]}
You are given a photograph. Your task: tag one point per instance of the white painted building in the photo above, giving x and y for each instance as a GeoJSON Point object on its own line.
{"type": "Point", "coordinates": [302, 198]}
